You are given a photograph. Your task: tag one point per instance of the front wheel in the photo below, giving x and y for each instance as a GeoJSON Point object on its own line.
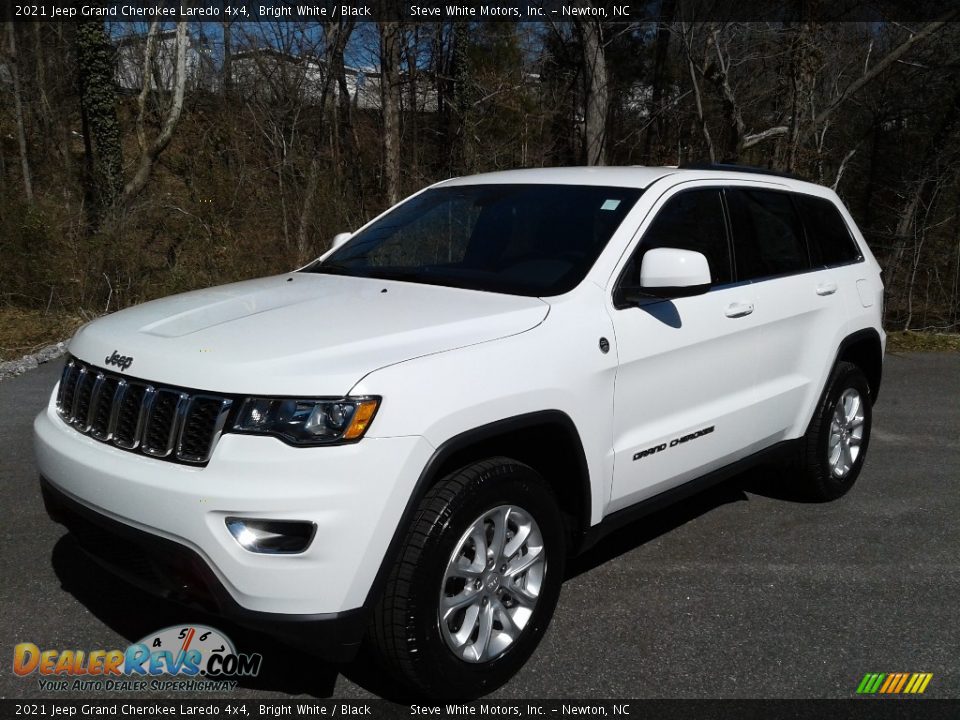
{"type": "Point", "coordinates": [476, 584]}
{"type": "Point", "coordinates": [835, 445]}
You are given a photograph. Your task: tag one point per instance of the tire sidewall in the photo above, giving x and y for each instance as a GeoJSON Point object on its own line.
{"type": "Point", "coordinates": [846, 377]}
{"type": "Point", "coordinates": [434, 663]}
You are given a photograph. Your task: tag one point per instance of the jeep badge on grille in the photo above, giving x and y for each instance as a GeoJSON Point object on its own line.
{"type": "Point", "coordinates": [121, 361]}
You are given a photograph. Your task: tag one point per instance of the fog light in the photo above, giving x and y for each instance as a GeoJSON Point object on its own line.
{"type": "Point", "coordinates": [274, 537]}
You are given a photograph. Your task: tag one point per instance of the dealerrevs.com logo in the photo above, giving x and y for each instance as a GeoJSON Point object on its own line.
{"type": "Point", "coordinates": [204, 659]}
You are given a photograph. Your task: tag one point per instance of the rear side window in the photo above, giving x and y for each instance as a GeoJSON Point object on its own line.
{"type": "Point", "coordinates": [827, 233]}
{"type": "Point", "coordinates": [767, 235]}
{"type": "Point", "coordinates": [691, 220]}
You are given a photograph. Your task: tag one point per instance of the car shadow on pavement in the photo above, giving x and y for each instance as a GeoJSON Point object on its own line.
{"type": "Point", "coordinates": [649, 527]}
{"type": "Point", "coordinates": [774, 482]}
{"type": "Point", "coordinates": [764, 480]}
{"type": "Point", "coordinates": [134, 614]}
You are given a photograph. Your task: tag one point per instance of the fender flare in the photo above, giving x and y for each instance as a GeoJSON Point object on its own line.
{"type": "Point", "coordinates": [431, 473]}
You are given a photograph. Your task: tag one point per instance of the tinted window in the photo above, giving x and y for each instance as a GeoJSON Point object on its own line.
{"type": "Point", "coordinates": [830, 240]}
{"type": "Point", "coordinates": [767, 239]}
{"type": "Point", "coordinates": [519, 239]}
{"type": "Point", "coordinates": [692, 220]}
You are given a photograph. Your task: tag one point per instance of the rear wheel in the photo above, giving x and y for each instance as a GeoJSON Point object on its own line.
{"type": "Point", "coordinates": [835, 445]}
{"type": "Point", "coordinates": [476, 584]}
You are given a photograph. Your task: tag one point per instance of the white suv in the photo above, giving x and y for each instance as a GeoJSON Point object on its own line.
{"type": "Point", "coordinates": [403, 441]}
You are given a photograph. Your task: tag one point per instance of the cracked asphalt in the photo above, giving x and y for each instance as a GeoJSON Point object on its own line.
{"type": "Point", "coordinates": [740, 592]}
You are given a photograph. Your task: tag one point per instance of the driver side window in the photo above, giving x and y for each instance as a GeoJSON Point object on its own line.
{"type": "Point", "coordinates": [691, 220]}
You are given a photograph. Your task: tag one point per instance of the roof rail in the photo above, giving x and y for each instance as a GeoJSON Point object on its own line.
{"type": "Point", "coordinates": [733, 167]}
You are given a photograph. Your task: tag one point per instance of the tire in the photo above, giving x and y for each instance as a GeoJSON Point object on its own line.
{"type": "Point", "coordinates": [434, 649]}
{"type": "Point", "coordinates": [835, 445]}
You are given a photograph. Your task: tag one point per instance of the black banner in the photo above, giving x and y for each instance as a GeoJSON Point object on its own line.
{"type": "Point", "coordinates": [854, 709]}
{"type": "Point", "coordinates": [477, 10]}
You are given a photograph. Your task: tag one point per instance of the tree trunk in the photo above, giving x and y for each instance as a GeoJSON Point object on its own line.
{"type": "Point", "coordinates": [95, 63]}
{"type": "Point", "coordinates": [697, 98]}
{"type": "Point", "coordinates": [18, 112]}
{"type": "Point", "coordinates": [802, 77]}
{"type": "Point", "coordinates": [390, 106]}
{"type": "Point", "coordinates": [44, 111]}
{"type": "Point", "coordinates": [149, 154]}
{"type": "Point", "coordinates": [227, 77]}
{"type": "Point", "coordinates": [596, 93]}
{"type": "Point", "coordinates": [461, 157]}
{"type": "Point", "coordinates": [349, 145]}
{"type": "Point", "coordinates": [660, 56]}
{"type": "Point", "coordinates": [336, 42]}
{"type": "Point", "coordinates": [413, 116]}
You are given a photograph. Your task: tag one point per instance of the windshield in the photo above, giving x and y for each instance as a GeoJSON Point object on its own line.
{"type": "Point", "coordinates": [536, 240]}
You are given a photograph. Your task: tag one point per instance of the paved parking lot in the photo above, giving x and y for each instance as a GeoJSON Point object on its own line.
{"type": "Point", "coordinates": [741, 592]}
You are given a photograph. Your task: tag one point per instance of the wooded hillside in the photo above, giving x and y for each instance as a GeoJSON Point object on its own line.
{"type": "Point", "coordinates": [237, 151]}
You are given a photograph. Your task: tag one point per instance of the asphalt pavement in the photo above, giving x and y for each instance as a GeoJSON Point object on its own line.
{"type": "Point", "coordinates": [740, 592]}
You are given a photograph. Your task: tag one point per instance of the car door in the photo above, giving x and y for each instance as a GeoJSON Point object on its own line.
{"type": "Point", "coordinates": [798, 309]}
{"type": "Point", "coordinates": [684, 384]}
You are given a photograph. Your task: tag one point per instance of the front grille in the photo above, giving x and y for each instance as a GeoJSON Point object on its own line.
{"type": "Point", "coordinates": [162, 422]}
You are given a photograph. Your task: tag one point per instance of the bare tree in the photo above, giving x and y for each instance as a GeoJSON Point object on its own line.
{"type": "Point", "coordinates": [661, 54]}
{"type": "Point", "coordinates": [696, 70]}
{"type": "Point", "coordinates": [596, 96]}
{"type": "Point", "coordinates": [18, 111]}
{"type": "Point", "coordinates": [462, 156]}
{"type": "Point", "coordinates": [103, 156]}
{"type": "Point", "coordinates": [337, 36]}
{"type": "Point", "coordinates": [227, 69]}
{"type": "Point", "coordinates": [149, 152]}
{"type": "Point", "coordinates": [722, 54]}
{"type": "Point", "coordinates": [390, 36]}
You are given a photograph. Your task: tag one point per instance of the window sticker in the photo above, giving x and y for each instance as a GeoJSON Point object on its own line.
{"type": "Point", "coordinates": [610, 204]}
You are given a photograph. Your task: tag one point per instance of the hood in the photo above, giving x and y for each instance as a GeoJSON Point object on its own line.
{"type": "Point", "coordinates": [296, 334]}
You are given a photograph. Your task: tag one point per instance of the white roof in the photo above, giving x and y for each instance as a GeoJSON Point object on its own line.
{"type": "Point", "coordinates": [637, 176]}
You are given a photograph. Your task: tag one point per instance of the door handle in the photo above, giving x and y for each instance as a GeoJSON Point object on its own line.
{"type": "Point", "coordinates": [735, 310]}
{"type": "Point", "coordinates": [827, 288]}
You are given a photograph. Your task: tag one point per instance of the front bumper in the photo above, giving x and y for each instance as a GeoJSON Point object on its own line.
{"type": "Point", "coordinates": [355, 494]}
{"type": "Point", "coordinates": [174, 572]}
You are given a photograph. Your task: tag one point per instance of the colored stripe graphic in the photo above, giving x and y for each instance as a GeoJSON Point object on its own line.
{"type": "Point", "coordinates": [891, 680]}
{"type": "Point", "coordinates": [870, 683]}
{"type": "Point", "coordinates": [862, 687]}
{"type": "Point", "coordinates": [894, 683]}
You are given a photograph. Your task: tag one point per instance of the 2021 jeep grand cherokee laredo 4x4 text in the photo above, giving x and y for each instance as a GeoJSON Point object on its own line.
{"type": "Point", "coordinates": [404, 440]}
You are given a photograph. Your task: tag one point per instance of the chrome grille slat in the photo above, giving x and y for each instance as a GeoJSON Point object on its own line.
{"type": "Point", "coordinates": [146, 406]}
{"type": "Point", "coordinates": [77, 387]}
{"type": "Point", "coordinates": [102, 409]}
{"type": "Point", "coordinates": [115, 410]}
{"type": "Point", "coordinates": [198, 422]}
{"type": "Point", "coordinates": [166, 423]}
{"type": "Point", "coordinates": [87, 422]}
{"type": "Point", "coordinates": [162, 423]}
{"type": "Point", "coordinates": [66, 380]}
{"type": "Point", "coordinates": [127, 432]}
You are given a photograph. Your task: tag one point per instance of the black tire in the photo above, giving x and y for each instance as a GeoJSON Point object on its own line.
{"type": "Point", "coordinates": [405, 631]}
{"type": "Point", "coordinates": [817, 478]}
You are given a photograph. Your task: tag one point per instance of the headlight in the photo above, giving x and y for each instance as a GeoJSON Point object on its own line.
{"type": "Point", "coordinates": [307, 422]}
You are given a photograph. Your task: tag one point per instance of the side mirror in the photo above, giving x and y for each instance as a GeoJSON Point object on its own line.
{"type": "Point", "coordinates": [339, 239]}
{"type": "Point", "coordinates": [670, 273]}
